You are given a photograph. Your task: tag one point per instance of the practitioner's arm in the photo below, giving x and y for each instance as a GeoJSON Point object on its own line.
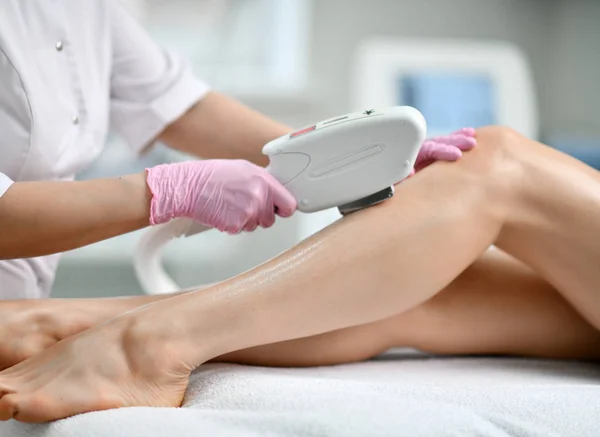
{"type": "Point", "coordinates": [220, 127]}
{"type": "Point", "coordinates": [39, 218]}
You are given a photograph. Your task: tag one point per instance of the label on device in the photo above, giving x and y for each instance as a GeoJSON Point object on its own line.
{"type": "Point", "coordinates": [303, 131]}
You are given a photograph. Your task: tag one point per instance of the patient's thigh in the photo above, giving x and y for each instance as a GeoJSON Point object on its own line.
{"type": "Point", "coordinates": [500, 306]}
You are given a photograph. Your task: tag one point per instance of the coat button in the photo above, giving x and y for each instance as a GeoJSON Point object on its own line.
{"type": "Point", "coordinates": [58, 46]}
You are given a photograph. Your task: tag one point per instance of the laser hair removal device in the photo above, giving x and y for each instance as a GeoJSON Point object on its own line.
{"type": "Point", "coordinates": [350, 162]}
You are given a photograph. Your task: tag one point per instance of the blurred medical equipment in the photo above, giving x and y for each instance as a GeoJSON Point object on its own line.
{"type": "Point", "coordinates": [349, 162]}
{"type": "Point", "coordinates": [453, 83]}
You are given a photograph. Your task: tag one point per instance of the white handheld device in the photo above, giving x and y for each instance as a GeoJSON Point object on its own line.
{"type": "Point", "coordinates": [351, 161]}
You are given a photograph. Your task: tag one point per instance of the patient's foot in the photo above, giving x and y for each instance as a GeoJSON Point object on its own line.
{"type": "Point", "coordinates": [27, 327]}
{"type": "Point", "coordinates": [118, 363]}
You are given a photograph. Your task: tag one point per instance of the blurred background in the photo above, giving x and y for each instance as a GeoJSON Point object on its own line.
{"type": "Point", "coordinates": [531, 64]}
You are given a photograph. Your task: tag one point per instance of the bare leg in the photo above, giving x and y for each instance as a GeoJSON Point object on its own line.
{"type": "Point", "coordinates": [559, 235]}
{"type": "Point", "coordinates": [435, 227]}
{"type": "Point", "coordinates": [498, 306]}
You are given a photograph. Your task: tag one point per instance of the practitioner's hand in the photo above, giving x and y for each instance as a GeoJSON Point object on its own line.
{"type": "Point", "coordinates": [445, 148]}
{"type": "Point", "coordinates": [230, 195]}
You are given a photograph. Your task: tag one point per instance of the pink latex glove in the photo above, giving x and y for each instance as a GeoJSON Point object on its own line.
{"type": "Point", "coordinates": [445, 148]}
{"type": "Point", "coordinates": [229, 195]}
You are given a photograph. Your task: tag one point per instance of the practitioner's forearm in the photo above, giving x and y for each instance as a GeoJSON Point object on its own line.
{"type": "Point", "coordinates": [218, 127]}
{"type": "Point", "coordinates": [39, 218]}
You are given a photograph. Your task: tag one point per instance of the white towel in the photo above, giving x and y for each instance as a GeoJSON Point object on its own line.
{"type": "Point", "coordinates": [397, 395]}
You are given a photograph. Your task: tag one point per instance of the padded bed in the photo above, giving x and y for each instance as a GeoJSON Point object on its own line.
{"type": "Point", "coordinates": [402, 393]}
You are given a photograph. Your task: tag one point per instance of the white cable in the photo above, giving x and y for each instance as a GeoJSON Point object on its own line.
{"type": "Point", "coordinates": [147, 258]}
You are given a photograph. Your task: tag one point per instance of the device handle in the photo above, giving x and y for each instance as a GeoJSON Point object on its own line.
{"type": "Point", "coordinates": [147, 259]}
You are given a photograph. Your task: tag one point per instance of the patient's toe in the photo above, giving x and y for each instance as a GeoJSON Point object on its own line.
{"type": "Point", "coordinates": [35, 408]}
{"type": "Point", "coordinates": [27, 407]}
{"type": "Point", "coordinates": [9, 404]}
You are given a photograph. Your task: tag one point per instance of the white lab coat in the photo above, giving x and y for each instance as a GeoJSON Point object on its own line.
{"type": "Point", "coordinates": [68, 70]}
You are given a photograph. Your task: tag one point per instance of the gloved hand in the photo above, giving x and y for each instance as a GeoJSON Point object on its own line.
{"type": "Point", "coordinates": [445, 148]}
{"type": "Point", "coordinates": [229, 195]}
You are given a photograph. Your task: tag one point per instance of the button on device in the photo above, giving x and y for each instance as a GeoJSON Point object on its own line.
{"type": "Point", "coordinates": [59, 46]}
{"type": "Point", "coordinates": [75, 120]}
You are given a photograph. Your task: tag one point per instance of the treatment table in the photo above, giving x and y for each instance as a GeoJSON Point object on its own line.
{"type": "Point", "coordinates": [402, 393]}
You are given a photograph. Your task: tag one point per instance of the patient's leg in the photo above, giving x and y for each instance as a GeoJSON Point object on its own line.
{"type": "Point", "coordinates": [436, 225]}
{"type": "Point", "coordinates": [498, 306]}
{"type": "Point", "coordinates": [559, 233]}
{"type": "Point", "coordinates": [501, 306]}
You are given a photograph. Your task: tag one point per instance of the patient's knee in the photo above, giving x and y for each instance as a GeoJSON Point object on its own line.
{"type": "Point", "coordinates": [496, 156]}
{"type": "Point", "coordinates": [500, 141]}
